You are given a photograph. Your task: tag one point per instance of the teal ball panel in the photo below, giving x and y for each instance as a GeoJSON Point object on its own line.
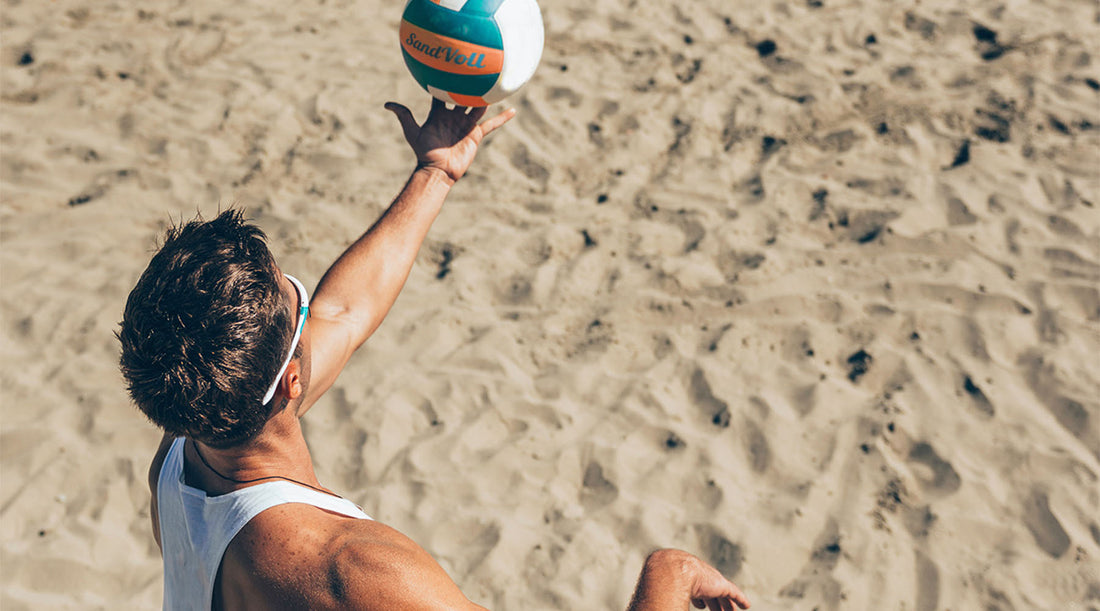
{"type": "Point", "coordinates": [475, 27]}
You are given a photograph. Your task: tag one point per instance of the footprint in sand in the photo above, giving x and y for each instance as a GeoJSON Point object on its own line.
{"type": "Point", "coordinates": [597, 490]}
{"type": "Point", "coordinates": [522, 160]}
{"type": "Point", "coordinates": [958, 213]}
{"type": "Point", "coordinates": [816, 580]}
{"type": "Point", "coordinates": [944, 479]}
{"type": "Point", "coordinates": [716, 409]}
{"type": "Point", "coordinates": [1044, 525]}
{"type": "Point", "coordinates": [756, 444]}
{"type": "Point", "coordinates": [722, 553]}
{"type": "Point", "coordinates": [928, 584]}
{"type": "Point", "coordinates": [516, 291]}
{"type": "Point", "coordinates": [1075, 417]}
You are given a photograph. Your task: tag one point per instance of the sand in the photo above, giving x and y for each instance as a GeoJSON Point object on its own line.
{"type": "Point", "coordinates": [808, 288]}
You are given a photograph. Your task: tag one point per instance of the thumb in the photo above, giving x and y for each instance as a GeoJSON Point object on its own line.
{"type": "Point", "coordinates": [405, 117]}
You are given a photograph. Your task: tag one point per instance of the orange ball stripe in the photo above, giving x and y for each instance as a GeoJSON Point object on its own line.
{"type": "Point", "coordinates": [448, 54]}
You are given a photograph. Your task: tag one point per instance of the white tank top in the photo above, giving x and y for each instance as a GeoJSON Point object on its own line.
{"type": "Point", "coordinates": [195, 529]}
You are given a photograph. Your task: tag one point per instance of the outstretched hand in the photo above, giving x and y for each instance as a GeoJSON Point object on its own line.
{"type": "Point", "coordinates": [449, 138]}
{"type": "Point", "coordinates": [710, 589]}
{"type": "Point", "coordinates": [670, 578]}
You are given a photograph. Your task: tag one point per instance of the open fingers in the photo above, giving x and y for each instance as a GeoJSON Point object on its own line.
{"type": "Point", "coordinates": [405, 117]}
{"type": "Point", "coordinates": [740, 598]}
{"type": "Point", "coordinates": [438, 106]}
{"type": "Point", "coordinates": [488, 126]}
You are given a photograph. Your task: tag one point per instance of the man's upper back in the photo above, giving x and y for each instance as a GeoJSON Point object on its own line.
{"type": "Point", "coordinates": [197, 528]}
{"type": "Point", "coordinates": [283, 546]}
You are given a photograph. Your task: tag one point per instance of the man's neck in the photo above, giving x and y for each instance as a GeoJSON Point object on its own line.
{"type": "Point", "coordinates": [279, 451]}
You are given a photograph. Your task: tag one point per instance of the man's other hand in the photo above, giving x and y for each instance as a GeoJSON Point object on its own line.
{"type": "Point", "coordinates": [449, 138]}
{"type": "Point", "coordinates": [670, 578]}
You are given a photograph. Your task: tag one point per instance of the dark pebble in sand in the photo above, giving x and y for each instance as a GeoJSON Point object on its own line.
{"type": "Point", "coordinates": [814, 3]}
{"type": "Point", "coordinates": [765, 47]}
{"type": "Point", "coordinates": [688, 39]}
{"type": "Point", "coordinates": [980, 400]}
{"type": "Point", "coordinates": [769, 145]}
{"type": "Point", "coordinates": [997, 133]}
{"type": "Point", "coordinates": [883, 128]}
{"type": "Point", "coordinates": [588, 241]}
{"type": "Point", "coordinates": [858, 364]}
{"type": "Point", "coordinates": [601, 198]}
{"type": "Point", "coordinates": [970, 387]}
{"type": "Point", "coordinates": [988, 47]}
{"type": "Point", "coordinates": [963, 154]}
{"type": "Point", "coordinates": [871, 233]}
{"type": "Point", "coordinates": [870, 40]}
{"type": "Point", "coordinates": [993, 52]}
{"type": "Point", "coordinates": [674, 442]}
{"type": "Point", "coordinates": [756, 185]}
{"type": "Point", "coordinates": [829, 551]}
{"type": "Point", "coordinates": [984, 34]}
{"type": "Point", "coordinates": [1057, 124]}
{"type": "Point", "coordinates": [26, 59]}
{"type": "Point", "coordinates": [445, 264]}
{"type": "Point", "coordinates": [999, 129]}
{"type": "Point", "coordinates": [1093, 84]}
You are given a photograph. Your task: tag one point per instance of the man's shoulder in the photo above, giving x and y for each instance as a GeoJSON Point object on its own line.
{"type": "Point", "coordinates": [300, 554]}
{"type": "Point", "coordinates": [295, 538]}
{"type": "Point", "coordinates": [305, 529]}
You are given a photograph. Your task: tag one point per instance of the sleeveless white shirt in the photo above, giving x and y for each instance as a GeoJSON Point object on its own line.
{"type": "Point", "coordinates": [195, 528]}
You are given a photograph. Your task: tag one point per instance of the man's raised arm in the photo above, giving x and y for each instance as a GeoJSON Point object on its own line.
{"type": "Point", "coordinates": [357, 292]}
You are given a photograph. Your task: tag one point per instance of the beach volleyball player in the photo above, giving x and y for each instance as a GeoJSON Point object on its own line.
{"type": "Point", "coordinates": [225, 352]}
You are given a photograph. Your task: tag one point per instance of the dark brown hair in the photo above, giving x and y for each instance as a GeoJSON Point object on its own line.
{"type": "Point", "coordinates": [205, 331]}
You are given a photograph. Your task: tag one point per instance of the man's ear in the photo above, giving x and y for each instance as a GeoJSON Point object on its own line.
{"type": "Point", "coordinates": [291, 384]}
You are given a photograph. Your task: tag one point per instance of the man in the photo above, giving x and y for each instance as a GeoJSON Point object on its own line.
{"type": "Point", "coordinates": [226, 353]}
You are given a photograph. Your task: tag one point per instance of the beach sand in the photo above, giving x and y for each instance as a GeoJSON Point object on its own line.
{"type": "Point", "coordinates": [808, 288]}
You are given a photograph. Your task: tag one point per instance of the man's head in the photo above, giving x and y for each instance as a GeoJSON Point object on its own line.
{"type": "Point", "coordinates": [206, 330]}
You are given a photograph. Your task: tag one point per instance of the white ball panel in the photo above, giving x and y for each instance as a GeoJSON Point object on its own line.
{"type": "Point", "coordinates": [439, 94]}
{"type": "Point", "coordinates": [521, 31]}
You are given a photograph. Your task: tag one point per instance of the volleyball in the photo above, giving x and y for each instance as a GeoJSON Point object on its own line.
{"type": "Point", "coordinates": [471, 52]}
